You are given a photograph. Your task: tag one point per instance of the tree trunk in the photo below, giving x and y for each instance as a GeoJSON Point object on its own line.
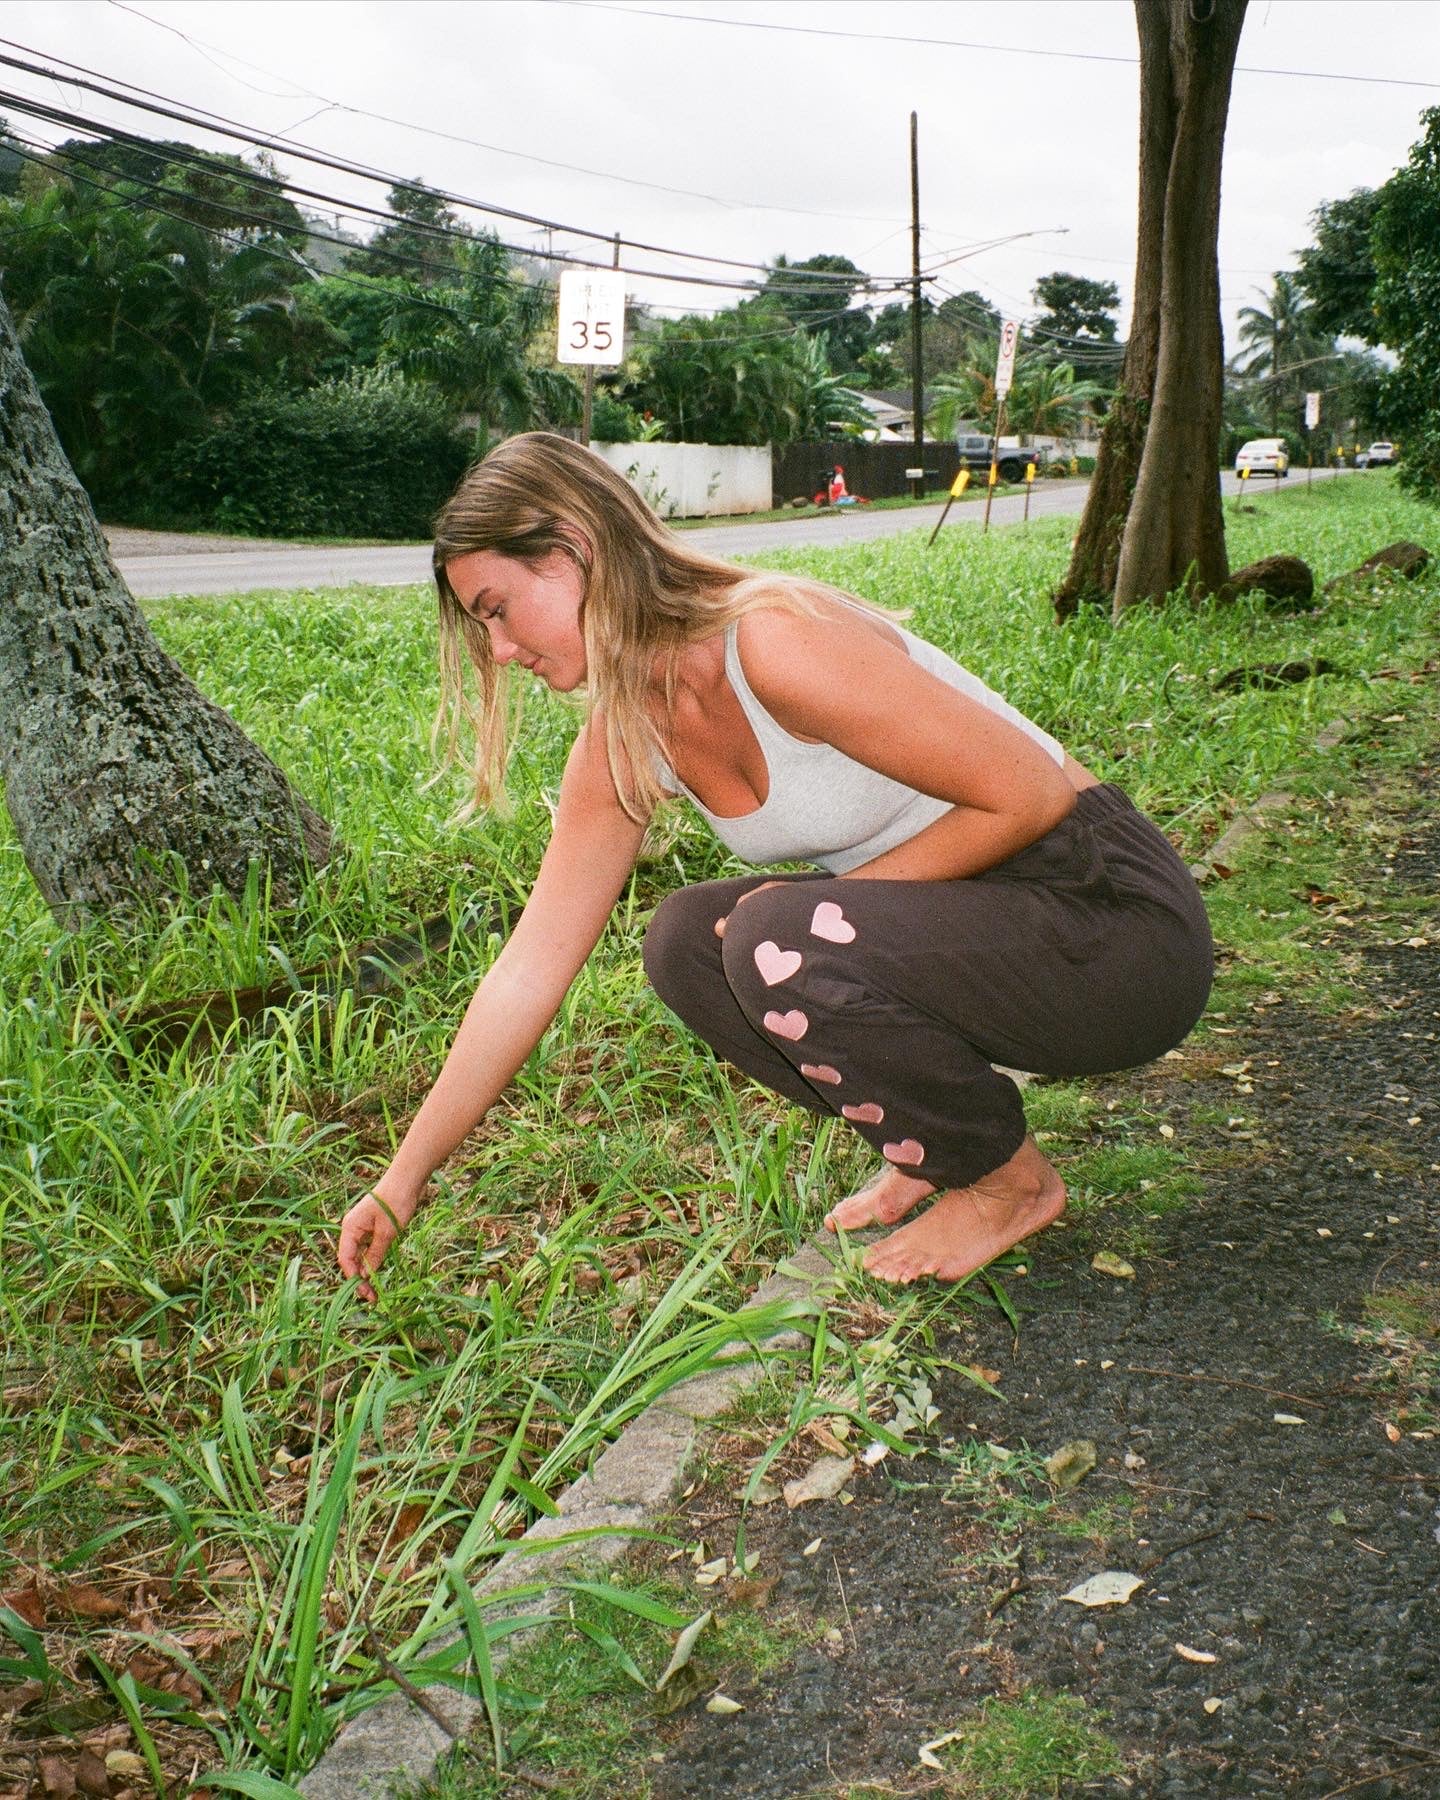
{"type": "Point", "coordinates": [123, 781]}
{"type": "Point", "coordinates": [1152, 520]}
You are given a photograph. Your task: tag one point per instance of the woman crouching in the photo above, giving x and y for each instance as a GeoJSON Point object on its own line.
{"type": "Point", "coordinates": [978, 897]}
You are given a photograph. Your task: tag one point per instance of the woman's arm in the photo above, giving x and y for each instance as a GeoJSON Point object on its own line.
{"type": "Point", "coordinates": [838, 680]}
{"type": "Point", "coordinates": [591, 852]}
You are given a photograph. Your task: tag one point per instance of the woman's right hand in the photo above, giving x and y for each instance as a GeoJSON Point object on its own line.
{"type": "Point", "coordinates": [366, 1233]}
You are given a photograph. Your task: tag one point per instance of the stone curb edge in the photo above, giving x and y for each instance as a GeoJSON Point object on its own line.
{"type": "Point", "coordinates": [1253, 817]}
{"type": "Point", "coordinates": [627, 1485]}
{"type": "Point", "coordinates": [634, 1478]}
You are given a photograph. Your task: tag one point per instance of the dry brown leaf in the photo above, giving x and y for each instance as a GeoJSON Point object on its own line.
{"type": "Point", "coordinates": [825, 1438]}
{"type": "Point", "coordinates": [25, 1693]}
{"type": "Point", "coordinates": [1195, 1656]}
{"type": "Point", "coordinates": [26, 1602]}
{"type": "Point", "coordinates": [57, 1778]}
{"type": "Point", "coordinates": [1393, 1432]}
{"type": "Point", "coordinates": [91, 1775]}
{"type": "Point", "coordinates": [823, 1480]}
{"type": "Point", "coordinates": [82, 1601]}
{"type": "Point", "coordinates": [754, 1593]}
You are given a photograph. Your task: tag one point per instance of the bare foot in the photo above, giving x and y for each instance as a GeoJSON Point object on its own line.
{"type": "Point", "coordinates": [889, 1197]}
{"type": "Point", "coordinates": [968, 1227]}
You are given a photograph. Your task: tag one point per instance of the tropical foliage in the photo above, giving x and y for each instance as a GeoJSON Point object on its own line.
{"type": "Point", "coordinates": [744, 377]}
{"type": "Point", "coordinates": [137, 325]}
{"type": "Point", "coordinates": [1284, 351]}
{"type": "Point", "coordinates": [1405, 242]}
{"type": "Point", "coordinates": [1046, 398]}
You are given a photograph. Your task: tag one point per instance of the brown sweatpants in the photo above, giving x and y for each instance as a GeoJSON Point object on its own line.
{"type": "Point", "coordinates": [886, 1002]}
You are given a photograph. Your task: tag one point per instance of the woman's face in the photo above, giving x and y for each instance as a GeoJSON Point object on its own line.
{"type": "Point", "coordinates": [531, 611]}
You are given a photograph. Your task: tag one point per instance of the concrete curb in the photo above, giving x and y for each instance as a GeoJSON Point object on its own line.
{"type": "Point", "coordinates": [1253, 818]}
{"type": "Point", "coordinates": [628, 1484]}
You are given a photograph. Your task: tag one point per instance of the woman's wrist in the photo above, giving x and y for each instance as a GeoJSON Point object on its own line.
{"type": "Point", "coordinates": [402, 1198]}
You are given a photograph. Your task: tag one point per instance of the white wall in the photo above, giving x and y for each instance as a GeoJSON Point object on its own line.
{"type": "Point", "coordinates": [691, 481]}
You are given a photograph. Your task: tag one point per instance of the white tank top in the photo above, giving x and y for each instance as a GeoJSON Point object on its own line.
{"type": "Point", "coordinates": [822, 806]}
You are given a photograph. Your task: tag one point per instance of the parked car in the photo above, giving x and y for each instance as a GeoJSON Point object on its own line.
{"type": "Point", "coordinates": [1264, 456]}
{"type": "Point", "coordinates": [1379, 456]}
{"type": "Point", "coordinates": [974, 448]}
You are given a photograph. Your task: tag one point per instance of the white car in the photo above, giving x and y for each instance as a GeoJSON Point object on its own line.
{"type": "Point", "coordinates": [1263, 456]}
{"type": "Point", "coordinates": [1378, 456]}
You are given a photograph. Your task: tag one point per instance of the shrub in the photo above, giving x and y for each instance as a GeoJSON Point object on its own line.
{"type": "Point", "coordinates": [366, 456]}
{"type": "Point", "coordinates": [613, 422]}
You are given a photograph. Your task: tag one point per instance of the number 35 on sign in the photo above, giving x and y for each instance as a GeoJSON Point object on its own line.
{"type": "Point", "coordinates": [592, 317]}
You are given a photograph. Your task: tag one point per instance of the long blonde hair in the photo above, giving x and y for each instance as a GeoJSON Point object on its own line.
{"type": "Point", "coordinates": [645, 597]}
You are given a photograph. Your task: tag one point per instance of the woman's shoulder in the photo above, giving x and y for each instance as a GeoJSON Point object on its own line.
{"type": "Point", "coordinates": [811, 624]}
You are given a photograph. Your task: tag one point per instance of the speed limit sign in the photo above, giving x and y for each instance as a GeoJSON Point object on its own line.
{"type": "Point", "coordinates": [592, 317]}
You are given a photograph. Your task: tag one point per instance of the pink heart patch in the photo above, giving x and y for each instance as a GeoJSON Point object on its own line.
{"type": "Point", "coordinates": [906, 1151]}
{"type": "Point", "coordinates": [868, 1114]}
{"type": "Point", "coordinates": [774, 963]}
{"type": "Point", "coordinates": [831, 924]}
{"type": "Point", "coordinates": [821, 1072]}
{"type": "Point", "coordinates": [792, 1025]}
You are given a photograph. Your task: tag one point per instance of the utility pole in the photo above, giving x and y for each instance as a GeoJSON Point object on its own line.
{"type": "Point", "coordinates": [917, 380]}
{"type": "Point", "coordinates": [585, 417]}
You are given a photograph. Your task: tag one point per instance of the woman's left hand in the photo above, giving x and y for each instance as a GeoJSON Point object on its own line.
{"type": "Point", "coordinates": [759, 888]}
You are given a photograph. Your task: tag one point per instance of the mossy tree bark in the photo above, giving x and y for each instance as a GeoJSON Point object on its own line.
{"type": "Point", "coordinates": [123, 781]}
{"type": "Point", "coordinates": [1152, 521]}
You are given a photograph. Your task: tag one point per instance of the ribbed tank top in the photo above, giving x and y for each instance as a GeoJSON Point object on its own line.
{"type": "Point", "coordinates": [822, 806]}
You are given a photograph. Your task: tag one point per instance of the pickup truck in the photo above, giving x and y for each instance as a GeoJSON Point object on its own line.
{"type": "Point", "coordinates": [974, 450]}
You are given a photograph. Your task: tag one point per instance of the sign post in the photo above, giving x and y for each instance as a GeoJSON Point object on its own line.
{"type": "Point", "coordinates": [591, 325]}
{"type": "Point", "coordinates": [957, 488]}
{"type": "Point", "coordinates": [1312, 419]}
{"type": "Point", "coordinates": [1004, 376]}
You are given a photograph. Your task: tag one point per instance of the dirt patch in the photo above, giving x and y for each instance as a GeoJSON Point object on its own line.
{"type": "Point", "coordinates": [1263, 1399]}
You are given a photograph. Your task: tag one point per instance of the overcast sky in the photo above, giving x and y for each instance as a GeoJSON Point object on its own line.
{"type": "Point", "coordinates": [704, 128]}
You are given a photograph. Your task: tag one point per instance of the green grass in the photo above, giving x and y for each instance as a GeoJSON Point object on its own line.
{"type": "Point", "coordinates": [580, 1706]}
{"type": "Point", "coordinates": [255, 1470]}
{"type": "Point", "coordinates": [1023, 1749]}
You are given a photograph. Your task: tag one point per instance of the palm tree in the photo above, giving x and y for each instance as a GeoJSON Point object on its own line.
{"type": "Point", "coordinates": [471, 340]}
{"type": "Point", "coordinates": [1280, 342]}
{"type": "Point", "coordinates": [1046, 398]}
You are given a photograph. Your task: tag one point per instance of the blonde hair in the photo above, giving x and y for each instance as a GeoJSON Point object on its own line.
{"type": "Point", "coordinates": [646, 595]}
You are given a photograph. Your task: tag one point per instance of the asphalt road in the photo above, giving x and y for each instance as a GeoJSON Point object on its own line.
{"type": "Point", "coordinates": [247, 567]}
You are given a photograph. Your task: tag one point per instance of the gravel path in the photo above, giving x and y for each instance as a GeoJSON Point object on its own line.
{"type": "Point", "coordinates": [1300, 1552]}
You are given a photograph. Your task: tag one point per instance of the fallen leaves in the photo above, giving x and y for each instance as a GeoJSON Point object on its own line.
{"type": "Point", "coordinates": [1106, 1262]}
{"type": "Point", "coordinates": [1068, 1466]}
{"type": "Point", "coordinates": [1113, 1587]}
{"type": "Point", "coordinates": [823, 1480]}
{"type": "Point", "coordinates": [1195, 1656]}
{"type": "Point", "coordinates": [926, 1753]}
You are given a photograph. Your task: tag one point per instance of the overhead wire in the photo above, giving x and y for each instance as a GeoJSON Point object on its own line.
{"type": "Point", "coordinates": [802, 285]}
{"type": "Point", "coordinates": [200, 46]}
{"type": "Point", "coordinates": [886, 37]}
{"type": "Point", "coordinates": [292, 257]}
{"type": "Point", "coordinates": [203, 119]}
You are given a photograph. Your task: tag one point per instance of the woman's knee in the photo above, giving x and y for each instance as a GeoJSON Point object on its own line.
{"type": "Point", "coordinates": [681, 940]}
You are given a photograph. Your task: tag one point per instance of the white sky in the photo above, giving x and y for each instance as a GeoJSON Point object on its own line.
{"type": "Point", "coordinates": [784, 141]}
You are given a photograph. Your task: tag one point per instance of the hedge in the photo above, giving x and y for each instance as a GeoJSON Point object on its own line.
{"type": "Point", "coordinates": [366, 456]}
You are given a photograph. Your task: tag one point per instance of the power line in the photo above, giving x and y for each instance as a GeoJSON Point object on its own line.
{"type": "Point", "coordinates": [292, 257]}
{"type": "Point", "coordinates": [200, 46]}
{"type": "Point", "coordinates": [204, 120]}
{"type": "Point", "coordinates": [881, 37]}
{"type": "Point", "coordinates": [61, 116]}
